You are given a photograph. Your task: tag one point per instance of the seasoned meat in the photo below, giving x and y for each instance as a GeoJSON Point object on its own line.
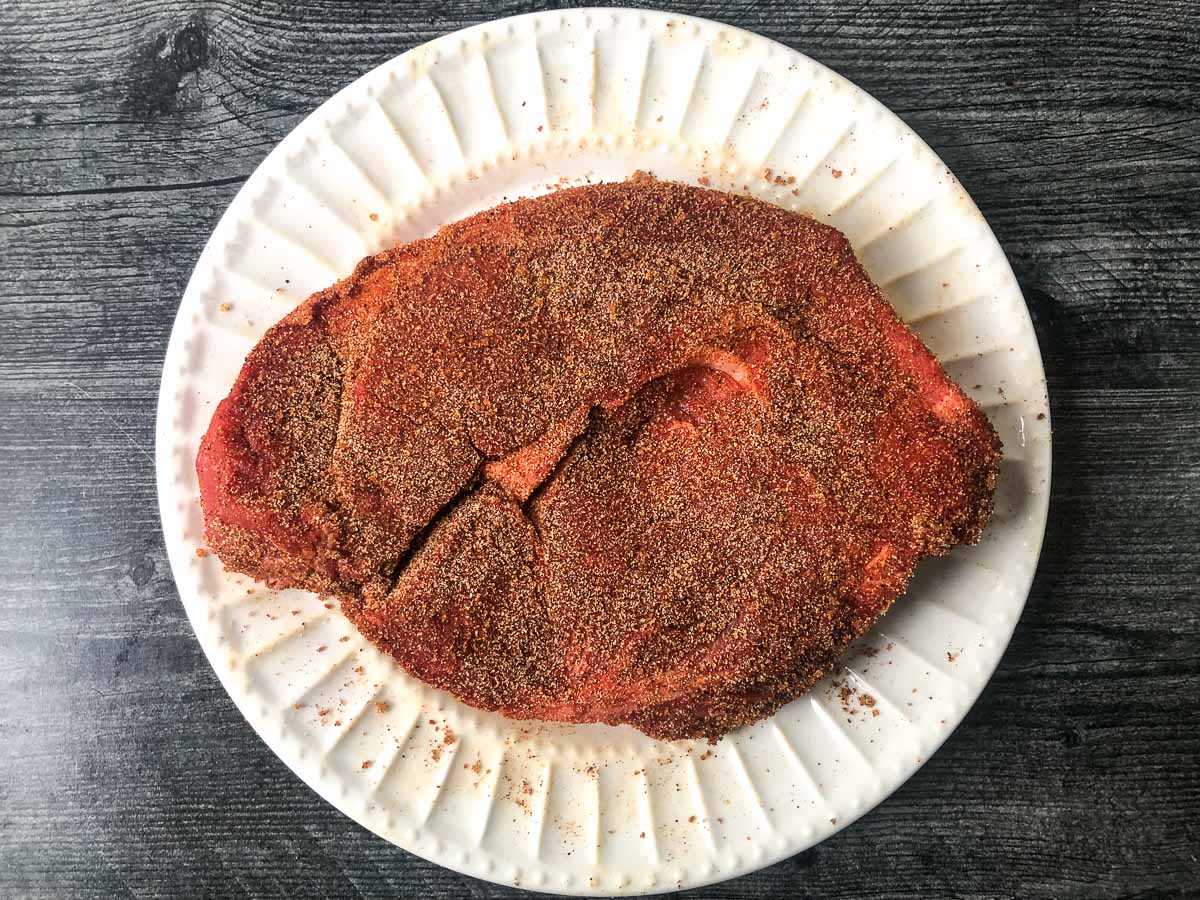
{"type": "Point", "coordinates": [631, 453]}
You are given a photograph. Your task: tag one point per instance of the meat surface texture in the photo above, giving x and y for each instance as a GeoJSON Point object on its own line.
{"type": "Point", "coordinates": [628, 453]}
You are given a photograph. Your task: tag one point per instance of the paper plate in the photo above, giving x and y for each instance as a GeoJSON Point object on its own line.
{"type": "Point", "coordinates": [519, 107]}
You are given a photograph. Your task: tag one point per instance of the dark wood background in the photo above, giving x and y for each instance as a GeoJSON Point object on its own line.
{"type": "Point", "coordinates": [126, 128]}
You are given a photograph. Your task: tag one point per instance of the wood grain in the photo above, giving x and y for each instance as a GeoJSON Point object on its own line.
{"type": "Point", "coordinates": [125, 129]}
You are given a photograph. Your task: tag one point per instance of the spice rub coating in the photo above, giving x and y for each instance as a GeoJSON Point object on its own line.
{"type": "Point", "coordinates": [631, 453]}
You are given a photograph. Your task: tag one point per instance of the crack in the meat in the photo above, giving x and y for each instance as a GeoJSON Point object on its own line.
{"type": "Point", "coordinates": [443, 512]}
{"type": "Point", "coordinates": [527, 506]}
{"type": "Point", "coordinates": [484, 457]}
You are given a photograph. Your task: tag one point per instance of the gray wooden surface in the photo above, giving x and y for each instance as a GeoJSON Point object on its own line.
{"type": "Point", "coordinates": [125, 129]}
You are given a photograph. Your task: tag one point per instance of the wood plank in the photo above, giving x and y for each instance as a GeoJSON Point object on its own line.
{"type": "Point", "coordinates": [125, 129]}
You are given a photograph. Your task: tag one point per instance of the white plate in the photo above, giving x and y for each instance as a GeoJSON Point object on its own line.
{"type": "Point", "coordinates": [514, 108]}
